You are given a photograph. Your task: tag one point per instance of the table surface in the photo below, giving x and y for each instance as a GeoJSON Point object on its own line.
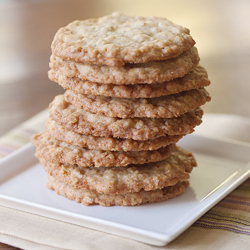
{"type": "Point", "coordinates": [220, 28]}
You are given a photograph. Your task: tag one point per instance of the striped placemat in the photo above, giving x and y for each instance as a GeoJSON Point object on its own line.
{"type": "Point", "coordinates": [232, 213]}
{"type": "Point", "coordinates": [20, 135]}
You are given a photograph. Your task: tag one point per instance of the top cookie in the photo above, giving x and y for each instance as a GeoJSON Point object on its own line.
{"type": "Point", "coordinates": [117, 39]}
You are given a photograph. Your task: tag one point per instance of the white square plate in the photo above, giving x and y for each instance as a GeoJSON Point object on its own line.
{"type": "Point", "coordinates": [222, 166]}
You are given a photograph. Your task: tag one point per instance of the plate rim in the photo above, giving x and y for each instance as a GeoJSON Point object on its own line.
{"type": "Point", "coordinates": [143, 235]}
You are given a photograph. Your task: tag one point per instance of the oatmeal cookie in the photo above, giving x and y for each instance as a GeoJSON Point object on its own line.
{"type": "Point", "coordinates": [87, 123]}
{"type": "Point", "coordinates": [50, 149]}
{"type": "Point", "coordinates": [140, 73]}
{"type": "Point", "coordinates": [120, 180]}
{"type": "Point", "coordinates": [106, 143]}
{"type": "Point", "coordinates": [90, 197]}
{"type": "Point", "coordinates": [160, 107]}
{"type": "Point", "coordinates": [196, 78]}
{"type": "Point", "coordinates": [117, 39]}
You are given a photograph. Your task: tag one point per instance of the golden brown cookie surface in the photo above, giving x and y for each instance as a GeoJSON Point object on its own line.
{"type": "Point", "coordinates": [118, 39]}
{"type": "Point", "coordinates": [196, 78]}
{"type": "Point", "coordinates": [50, 149]}
{"type": "Point", "coordinates": [160, 107]}
{"type": "Point", "coordinates": [121, 180]}
{"type": "Point", "coordinates": [151, 72]}
{"type": "Point", "coordinates": [87, 123]}
{"type": "Point", "coordinates": [89, 197]}
{"type": "Point", "coordinates": [106, 143]}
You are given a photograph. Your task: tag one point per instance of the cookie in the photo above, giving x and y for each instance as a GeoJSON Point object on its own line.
{"type": "Point", "coordinates": [141, 73]}
{"type": "Point", "coordinates": [160, 107]}
{"type": "Point", "coordinates": [106, 143]}
{"type": "Point", "coordinates": [196, 78]}
{"type": "Point", "coordinates": [117, 39]}
{"type": "Point", "coordinates": [90, 197]}
{"type": "Point", "coordinates": [121, 180]}
{"type": "Point", "coordinates": [50, 149]}
{"type": "Point", "coordinates": [86, 123]}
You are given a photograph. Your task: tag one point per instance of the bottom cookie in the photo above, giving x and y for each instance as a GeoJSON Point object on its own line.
{"type": "Point", "coordinates": [89, 197]}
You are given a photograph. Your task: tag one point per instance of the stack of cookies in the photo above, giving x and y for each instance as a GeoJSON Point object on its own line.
{"type": "Point", "coordinates": [134, 88]}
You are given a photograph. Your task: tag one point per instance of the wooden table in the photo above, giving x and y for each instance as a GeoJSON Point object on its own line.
{"type": "Point", "coordinates": [220, 28]}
